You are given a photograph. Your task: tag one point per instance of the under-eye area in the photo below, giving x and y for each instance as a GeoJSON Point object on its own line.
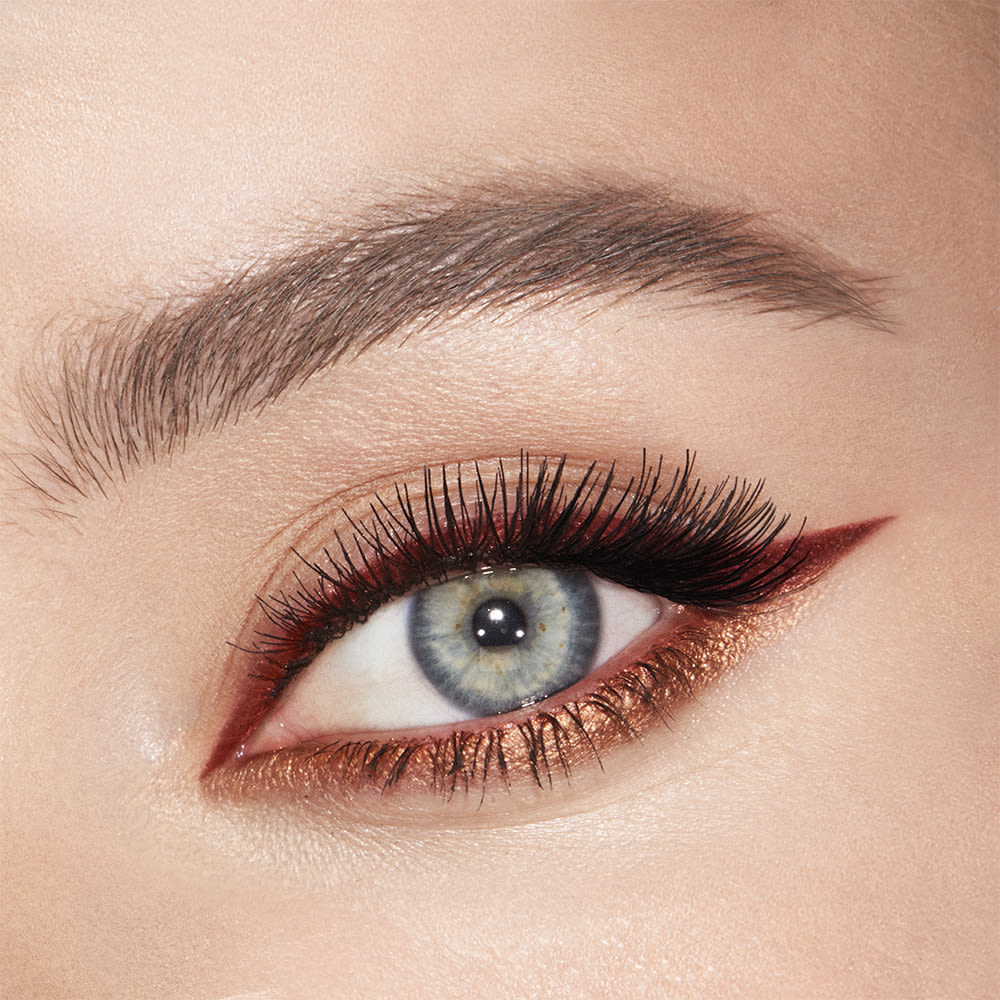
{"type": "Point", "coordinates": [506, 622]}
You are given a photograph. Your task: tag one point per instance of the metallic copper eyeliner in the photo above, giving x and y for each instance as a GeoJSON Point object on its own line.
{"type": "Point", "coordinates": [546, 742]}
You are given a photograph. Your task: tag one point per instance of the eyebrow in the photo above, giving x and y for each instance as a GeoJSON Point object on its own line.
{"type": "Point", "coordinates": [130, 390]}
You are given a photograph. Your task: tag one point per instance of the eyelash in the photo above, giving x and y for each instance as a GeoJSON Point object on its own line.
{"type": "Point", "coordinates": [710, 549]}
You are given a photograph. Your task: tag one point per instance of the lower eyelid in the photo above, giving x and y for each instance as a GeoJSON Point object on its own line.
{"type": "Point", "coordinates": [541, 747]}
{"type": "Point", "coordinates": [667, 664]}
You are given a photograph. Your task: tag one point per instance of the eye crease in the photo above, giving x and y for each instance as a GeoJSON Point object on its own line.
{"type": "Point", "coordinates": [505, 621]}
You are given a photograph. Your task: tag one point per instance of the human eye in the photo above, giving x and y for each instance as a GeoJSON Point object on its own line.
{"type": "Point", "coordinates": [485, 625]}
{"type": "Point", "coordinates": [486, 643]}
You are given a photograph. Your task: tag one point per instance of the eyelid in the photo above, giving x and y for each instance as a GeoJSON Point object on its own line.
{"type": "Point", "coordinates": [361, 785]}
{"type": "Point", "coordinates": [749, 568]}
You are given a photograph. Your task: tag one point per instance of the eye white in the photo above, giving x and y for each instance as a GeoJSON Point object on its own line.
{"type": "Point", "coordinates": [369, 681]}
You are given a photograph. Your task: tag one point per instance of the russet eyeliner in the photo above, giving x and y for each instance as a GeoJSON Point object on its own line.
{"type": "Point", "coordinates": [718, 552]}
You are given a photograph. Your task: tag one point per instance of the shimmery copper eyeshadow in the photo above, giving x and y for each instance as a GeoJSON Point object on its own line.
{"type": "Point", "coordinates": [544, 744]}
{"type": "Point", "coordinates": [660, 532]}
{"type": "Point", "coordinates": [538, 746]}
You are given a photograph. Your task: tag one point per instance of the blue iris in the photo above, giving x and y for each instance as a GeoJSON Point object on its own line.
{"type": "Point", "coordinates": [495, 641]}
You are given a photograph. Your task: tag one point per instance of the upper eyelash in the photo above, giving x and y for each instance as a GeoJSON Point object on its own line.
{"type": "Point", "coordinates": [706, 547]}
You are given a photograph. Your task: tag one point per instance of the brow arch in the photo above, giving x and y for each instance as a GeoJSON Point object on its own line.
{"type": "Point", "coordinates": [131, 390]}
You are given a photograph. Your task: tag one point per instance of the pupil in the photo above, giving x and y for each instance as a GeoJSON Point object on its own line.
{"type": "Point", "coordinates": [498, 622]}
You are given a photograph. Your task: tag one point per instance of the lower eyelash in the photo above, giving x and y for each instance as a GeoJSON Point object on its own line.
{"type": "Point", "coordinates": [543, 747]}
{"type": "Point", "coordinates": [539, 746]}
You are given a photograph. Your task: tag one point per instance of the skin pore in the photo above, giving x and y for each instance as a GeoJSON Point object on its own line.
{"type": "Point", "coordinates": [819, 821]}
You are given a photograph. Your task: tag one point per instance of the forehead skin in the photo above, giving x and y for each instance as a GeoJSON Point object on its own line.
{"type": "Point", "coordinates": [188, 131]}
{"type": "Point", "coordinates": [143, 152]}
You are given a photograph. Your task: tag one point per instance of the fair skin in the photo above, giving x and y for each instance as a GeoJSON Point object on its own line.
{"type": "Point", "coordinates": [820, 822]}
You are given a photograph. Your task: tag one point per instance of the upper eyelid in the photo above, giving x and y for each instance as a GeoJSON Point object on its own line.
{"type": "Point", "coordinates": [593, 495]}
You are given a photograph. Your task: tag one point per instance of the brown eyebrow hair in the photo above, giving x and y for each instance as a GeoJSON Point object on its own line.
{"type": "Point", "coordinates": [131, 390]}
